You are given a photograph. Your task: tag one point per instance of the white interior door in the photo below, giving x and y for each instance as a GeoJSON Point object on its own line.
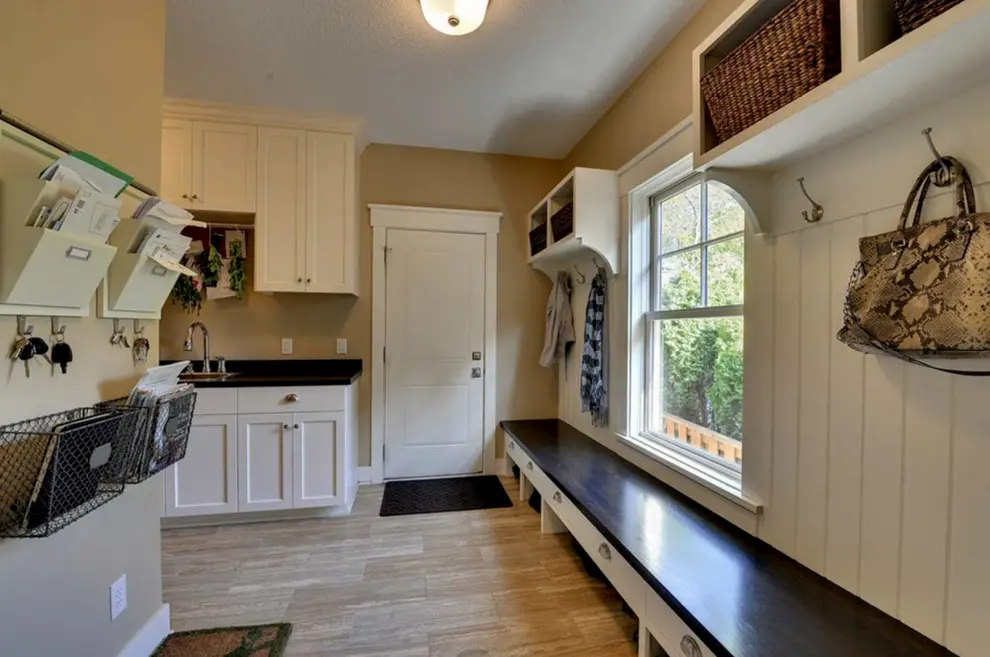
{"type": "Point", "coordinates": [434, 364]}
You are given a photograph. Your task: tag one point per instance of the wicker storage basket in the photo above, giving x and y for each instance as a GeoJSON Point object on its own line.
{"type": "Point", "coordinates": [562, 222]}
{"type": "Point", "coordinates": [912, 14]}
{"type": "Point", "coordinates": [796, 51]}
{"type": "Point", "coordinates": [537, 239]}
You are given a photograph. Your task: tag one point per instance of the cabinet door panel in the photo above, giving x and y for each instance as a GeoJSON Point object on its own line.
{"type": "Point", "coordinates": [280, 225]}
{"type": "Point", "coordinates": [205, 481]}
{"type": "Point", "coordinates": [318, 460]}
{"type": "Point", "coordinates": [264, 469]}
{"type": "Point", "coordinates": [331, 235]}
{"type": "Point", "coordinates": [225, 166]}
{"type": "Point", "coordinates": [177, 162]}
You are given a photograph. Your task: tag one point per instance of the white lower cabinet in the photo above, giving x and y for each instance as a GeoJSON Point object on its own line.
{"type": "Point", "coordinates": [205, 481]}
{"type": "Point", "coordinates": [264, 462]}
{"type": "Point", "coordinates": [245, 463]}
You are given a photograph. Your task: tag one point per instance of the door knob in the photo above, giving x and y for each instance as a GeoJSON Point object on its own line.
{"type": "Point", "coordinates": [475, 372]}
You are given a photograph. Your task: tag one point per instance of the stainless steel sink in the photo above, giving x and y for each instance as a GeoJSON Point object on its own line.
{"type": "Point", "coordinates": [205, 377]}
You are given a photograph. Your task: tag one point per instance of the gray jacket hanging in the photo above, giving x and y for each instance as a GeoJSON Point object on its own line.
{"type": "Point", "coordinates": [559, 321]}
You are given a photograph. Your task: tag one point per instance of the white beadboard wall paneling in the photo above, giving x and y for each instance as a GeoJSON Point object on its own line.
{"type": "Point", "coordinates": [967, 631]}
{"type": "Point", "coordinates": [928, 424]}
{"type": "Point", "coordinates": [883, 449]}
{"type": "Point", "coordinates": [758, 336]}
{"type": "Point", "coordinates": [845, 424]}
{"type": "Point", "coordinates": [815, 342]}
{"type": "Point", "coordinates": [783, 510]}
{"type": "Point", "coordinates": [875, 171]}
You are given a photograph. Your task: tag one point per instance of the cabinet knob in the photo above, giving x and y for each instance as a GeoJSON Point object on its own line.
{"type": "Point", "coordinates": [195, 197]}
{"type": "Point", "coordinates": [292, 398]}
{"type": "Point", "coordinates": [295, 426]}
{"type": "Point", "coordinates": [285, 426]}
{"type": "Point", "coordinates": [298, 280]}
{"type": "Point", "coordinates": [309, 280]}
{"type": "Point", "coordinates": [512, 446]}
{"type": "Point", "coordinates": [605, 551]}
{"type": "Point", "coordinates": [185, 196]}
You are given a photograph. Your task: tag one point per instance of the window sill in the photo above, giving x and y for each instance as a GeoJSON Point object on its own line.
{"type": "Point", "coordinates": [710, 478]}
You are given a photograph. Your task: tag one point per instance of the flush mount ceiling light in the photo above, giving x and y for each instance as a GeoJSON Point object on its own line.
{"type": "Point", "coordinates": [455, 17]}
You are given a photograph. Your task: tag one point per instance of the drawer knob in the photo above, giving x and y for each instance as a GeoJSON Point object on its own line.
{"type": "Point", "coordinates": [690, 647]}
{"type": "Point", "coordinates": [292, 398]}
{"type": "Point", "coordinates": [557, 498]}
{"type": "Point", "coordinates": [512, 446]}
{"type": "Point", "coordinates": [605, 551]}
{"type": "Point", "coordinates": [529, 466]}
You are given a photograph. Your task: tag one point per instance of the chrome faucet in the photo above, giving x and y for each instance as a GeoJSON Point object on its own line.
{"type": "Point", "coordinates": [188, 344]}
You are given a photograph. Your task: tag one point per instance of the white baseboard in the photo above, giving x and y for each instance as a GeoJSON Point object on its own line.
{"type": "Point", "coordinates": [365, 474]}
{"type": "Point", "coordinates": [145, 642]}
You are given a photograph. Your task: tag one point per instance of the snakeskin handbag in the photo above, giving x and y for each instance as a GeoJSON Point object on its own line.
{"type": "Point", "coordinates": [923, 290]}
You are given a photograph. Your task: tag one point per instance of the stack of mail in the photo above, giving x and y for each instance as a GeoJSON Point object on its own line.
{"type": "Point", "coordinates": [160, 237]}
{"type": "Point", "coordinates": [87, 203]}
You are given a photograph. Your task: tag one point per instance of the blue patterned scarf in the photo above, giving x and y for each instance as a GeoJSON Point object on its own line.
{"type": "Point", "coordinates": [594, 361]}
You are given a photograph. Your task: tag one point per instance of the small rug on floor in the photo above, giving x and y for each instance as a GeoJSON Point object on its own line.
{"type": "Point", "coordinates": [405, 498]}
{"type": "Point", "coordinates": [257, 641]}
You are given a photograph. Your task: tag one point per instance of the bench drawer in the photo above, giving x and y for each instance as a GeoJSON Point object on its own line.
{"type": "Point", "coordinates": [620, 574]}
{"type": "Point", "coordinates": [539, 480]}
{"type": "Point", "coordinates": [302, 399]}
{"type": "Point", "coordinates": [670, 631]}
{"type": "Point", "coordinates": [513, 451]}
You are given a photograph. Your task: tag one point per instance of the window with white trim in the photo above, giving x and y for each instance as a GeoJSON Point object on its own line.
{"type": "Point", "coordinates": [694, 325]}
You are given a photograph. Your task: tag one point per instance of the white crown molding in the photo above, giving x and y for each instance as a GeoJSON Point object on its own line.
{"type": "Point", "coordinates": [198, 110]}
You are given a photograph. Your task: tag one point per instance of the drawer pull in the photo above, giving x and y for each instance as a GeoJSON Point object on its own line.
{"type": "Point", "coordinates": [690, 647]}
{"type": "Point", "coordinates": [292, 398]}
{"type": "Point", "coordinates": [606, 552]}
{"type": "Point", "coordinates": [557, 498]}
{"type": "Point", "coordinates": [529, 466]}
{"type": "Point", "coordinates": [512, 447]}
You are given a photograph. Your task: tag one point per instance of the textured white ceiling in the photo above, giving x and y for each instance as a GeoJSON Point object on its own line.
{"type": "Point", "coordinates": [532, 81]}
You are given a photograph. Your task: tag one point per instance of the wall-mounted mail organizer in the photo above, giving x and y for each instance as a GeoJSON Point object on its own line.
{"type": "Point", "coordinates": [41, 266]}
{"type": "Point", "coordinates": [135, 282]}
{"type": "Point", "coordinates": [162, 432]}
{"type": "Point", "coordinates": [56, 469]}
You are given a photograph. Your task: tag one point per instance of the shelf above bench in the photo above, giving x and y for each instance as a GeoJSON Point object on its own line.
{"type": "Point", "coordinates": [880, 81]}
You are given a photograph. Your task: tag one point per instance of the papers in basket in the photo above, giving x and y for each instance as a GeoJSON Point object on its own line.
{"type": "Point", "coordinates": [154, 392]}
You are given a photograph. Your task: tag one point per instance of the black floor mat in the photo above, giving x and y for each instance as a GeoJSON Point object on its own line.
{"type": "Point", "coordinates": [404, 498]}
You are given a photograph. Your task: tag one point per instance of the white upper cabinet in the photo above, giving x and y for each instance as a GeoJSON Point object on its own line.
{"type": "Point", "coordinates": [280, 228]}
{"type": "Point", "coordinates": [306, 223]}
{"type": "Point", "coordinates": [224, 166]}
{"type": "Point", "coordinates": [210, 165]}
{"type": "Point", "coordinates": [331, 226]}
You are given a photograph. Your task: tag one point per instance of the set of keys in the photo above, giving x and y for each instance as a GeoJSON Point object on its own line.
{"type": "Point", "coordinates": [27, 347]}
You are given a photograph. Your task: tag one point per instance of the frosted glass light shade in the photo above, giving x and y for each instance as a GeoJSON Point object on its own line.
{"type": "Point", "coordinates": [455, 17]}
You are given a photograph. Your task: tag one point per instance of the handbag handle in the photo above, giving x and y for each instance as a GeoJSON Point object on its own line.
{"type": "Point", "coordinates": [965, 195]}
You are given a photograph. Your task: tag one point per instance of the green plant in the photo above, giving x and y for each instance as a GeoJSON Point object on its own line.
{"type": "Point", "coordinates": [238, 280]}
{"type": "Point", "coordinates": [210, 266]}
{"type": "Point", "coordinates": [187, 294]}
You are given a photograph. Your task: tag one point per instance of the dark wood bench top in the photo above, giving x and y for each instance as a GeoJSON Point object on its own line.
{"type": "Point", "coordinates": [739, 595]}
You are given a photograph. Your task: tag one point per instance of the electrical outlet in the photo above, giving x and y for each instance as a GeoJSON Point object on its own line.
{"type": "Point", "coordinates": [118, 597]}
{"type": "Point", "coordinates": [341, 345]}
{"type": "Point", "coordinates": [286, 346]}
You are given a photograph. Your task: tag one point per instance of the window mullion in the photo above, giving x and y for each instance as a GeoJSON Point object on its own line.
{"type": "Point", "coordinates": [704, 245]}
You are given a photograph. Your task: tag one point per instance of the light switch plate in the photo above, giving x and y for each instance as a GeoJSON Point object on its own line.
{"type": "Point", "coordinates": [341, 345]}
{"type": "Point", "coordinates": [286, 346]}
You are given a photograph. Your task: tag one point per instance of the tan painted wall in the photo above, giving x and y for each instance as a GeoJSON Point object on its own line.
{"type": "Point", "coordinates": [657, 101]}
{"type": "Point", "coordinates": [408, 176]}
{"type": "Point", "coordinates": [89, 73]}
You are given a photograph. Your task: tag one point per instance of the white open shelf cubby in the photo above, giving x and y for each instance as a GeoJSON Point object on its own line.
{"type": "Point", "coordinates": [43, 271]}
{"type": "Point", "coordinates": [595, 233]}
{"type": "Point", "coordinates": [884, 75]}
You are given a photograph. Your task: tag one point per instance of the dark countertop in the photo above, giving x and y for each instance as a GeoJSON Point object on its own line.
{"type": "Point", "coordinates": [739, 595]}
{"type": "Point", "coordinates": [265, 373]}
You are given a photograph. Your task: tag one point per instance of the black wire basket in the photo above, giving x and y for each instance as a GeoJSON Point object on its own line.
{"type": "Point", "coordinates": [58, 468]}
{"type": "Point", "coordinates": [161, 433]}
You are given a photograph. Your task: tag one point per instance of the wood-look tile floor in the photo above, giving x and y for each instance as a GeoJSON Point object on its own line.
{"type": "Point", "coordinates": [468, 584]}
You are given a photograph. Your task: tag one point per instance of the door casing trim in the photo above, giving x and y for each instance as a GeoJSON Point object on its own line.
{"type": "Point", "coordinates": [441, 220]}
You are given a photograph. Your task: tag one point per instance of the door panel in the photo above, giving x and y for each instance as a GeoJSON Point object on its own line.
{"type": "Point", "coordinates": [205, 481]}
{"type": "Point", "coordinates": [435, 316]}
{"type": "Point", "coordinates": [225, 166]}
{"type": "Point", "coordinates": [177, 162]}
{"type": "Point", "coordinates": [264, 462]}
{"type": "Point", "coordinates": [281, 221]}
{"type": "Point", "coordinates": [318, 459]}
{"type": "Point", "coordinates": [330, 236]}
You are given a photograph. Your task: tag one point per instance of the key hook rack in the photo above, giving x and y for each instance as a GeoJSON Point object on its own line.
{"type": "Point", "coordinates": [817, 211]}
{"type": "Point", "coordinates": [58, 330]}
{"type": "Point", "coordinates": [23, 328]}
